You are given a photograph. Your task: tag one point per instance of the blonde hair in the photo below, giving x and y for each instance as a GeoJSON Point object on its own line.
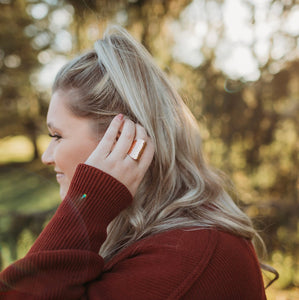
{"type": "Point", "coordinates": [179, 190]}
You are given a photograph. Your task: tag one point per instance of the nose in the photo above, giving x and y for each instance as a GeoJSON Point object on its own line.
{"type": "Point", "coordinates": [47, 157]}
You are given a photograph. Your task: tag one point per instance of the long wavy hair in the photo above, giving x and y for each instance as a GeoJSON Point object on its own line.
{"type": "Point", "coordinates": [179, 190]}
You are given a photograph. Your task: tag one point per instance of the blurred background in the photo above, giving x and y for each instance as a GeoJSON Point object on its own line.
{"type": "Point", "coordinates": [236, 64]}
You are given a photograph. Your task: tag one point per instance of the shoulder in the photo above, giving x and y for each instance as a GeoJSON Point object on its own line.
{"type": "Point", "coordinates": [193, 246]}
{"type": "Point", "coordinates": [198, 262]}
{"type": "Point", "coordinates": [219, 264]}
{"type": "Point", "coordinates": [199, 243]}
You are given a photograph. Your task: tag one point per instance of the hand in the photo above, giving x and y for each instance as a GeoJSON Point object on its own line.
{"type": "Point", "coordinates": [111, 154]}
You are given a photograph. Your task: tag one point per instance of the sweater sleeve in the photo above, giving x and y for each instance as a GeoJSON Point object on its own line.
{"type": "Point", "coordinates": [64, 258]}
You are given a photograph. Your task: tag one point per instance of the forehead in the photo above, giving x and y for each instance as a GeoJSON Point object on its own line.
{"type": "Point", "coordinates": [61, 118]}
{"type": "Point", "coordinates": [59, 100]}
{"type": "Point", "coordinates": [58, 111]}
{"type": "Point", "coordinates": [57, 106]}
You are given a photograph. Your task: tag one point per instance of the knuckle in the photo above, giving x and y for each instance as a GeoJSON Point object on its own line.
{"type": "Point", "coordinates": [129, 124]}
{"type": "Point", "coordinates": [140, 128]}
{"type": "Point", "coordinates": [129, 135]}
{"type": "Point", "coordinates": [110, 136]}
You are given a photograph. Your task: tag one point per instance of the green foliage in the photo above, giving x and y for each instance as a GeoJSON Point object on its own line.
{"type": "Point", "coordinates": [27, 188]}
{"type": "Point", "coordinates": [28, 197]}
{"type": "Point", "coordinates": [19, 107]}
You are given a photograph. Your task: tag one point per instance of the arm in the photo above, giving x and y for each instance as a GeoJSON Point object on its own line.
{"type": "Point", "coordinates": [64, 259]}
{"type": "Point", "coordinates": [65, 256]}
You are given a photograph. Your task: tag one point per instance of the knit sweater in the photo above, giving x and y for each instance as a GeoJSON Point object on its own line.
{"type": "Point", "coordinates": [182, 263]}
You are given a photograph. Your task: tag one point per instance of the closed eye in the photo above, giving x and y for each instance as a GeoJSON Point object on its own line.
{"type": "Point", "coordinates": [55, 136]}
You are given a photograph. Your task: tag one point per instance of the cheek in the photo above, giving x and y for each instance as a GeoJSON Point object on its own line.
{"type": "Point", "coordinates": [70, 154]}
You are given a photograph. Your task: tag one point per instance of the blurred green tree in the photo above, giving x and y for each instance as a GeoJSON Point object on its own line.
{"type": "Point", "coordinates": [20, 111]}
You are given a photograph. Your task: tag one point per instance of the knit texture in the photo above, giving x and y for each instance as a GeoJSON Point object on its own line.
{"type": "Point", "coordinates": [64, 263]}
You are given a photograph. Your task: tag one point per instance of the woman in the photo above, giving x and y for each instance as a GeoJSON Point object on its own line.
{"type": "Point", "coordinates": [152, 222]}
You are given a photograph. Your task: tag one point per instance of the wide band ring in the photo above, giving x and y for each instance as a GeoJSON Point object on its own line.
{"type": "Point", "coordinates": [137, 149]}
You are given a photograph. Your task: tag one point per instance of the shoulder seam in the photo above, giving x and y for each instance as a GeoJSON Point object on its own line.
{"type": "Point", "coordinates": [198, 270]}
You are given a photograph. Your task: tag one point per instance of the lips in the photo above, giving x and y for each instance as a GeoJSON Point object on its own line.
{"type": "Point", "coordinates": [59, 176]}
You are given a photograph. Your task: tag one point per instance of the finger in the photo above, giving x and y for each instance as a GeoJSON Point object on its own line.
{"type": "Point", "coordinates": [141, 132]}
{"type": "Point", "coordinates": [107, 142]}
{"type": "Point", "coordinates": [125, 139]}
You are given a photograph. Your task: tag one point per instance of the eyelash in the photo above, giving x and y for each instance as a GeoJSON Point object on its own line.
{"type": "Point", "coordinates": [56, 136]}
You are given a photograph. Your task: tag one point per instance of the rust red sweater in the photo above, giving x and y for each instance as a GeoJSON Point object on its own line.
{"type": "Point", "coordinates": [64, 263]}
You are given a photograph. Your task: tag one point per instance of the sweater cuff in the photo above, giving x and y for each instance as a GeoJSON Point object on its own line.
{"type": "Point", "coordinates": [94, 199]}
{"type": "Point", "coordinates": [104, 195]}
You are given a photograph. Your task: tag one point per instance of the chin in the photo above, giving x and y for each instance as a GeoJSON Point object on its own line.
{"type": "Point", "coordinates": [62, 193]}
{"type": "Point", "coordinates": [64, 187]}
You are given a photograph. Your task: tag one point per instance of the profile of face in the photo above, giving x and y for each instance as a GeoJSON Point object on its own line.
{"type": "Point", "coordinates": [73, 140]}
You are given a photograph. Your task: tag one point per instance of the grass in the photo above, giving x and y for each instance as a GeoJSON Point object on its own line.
{"type": "Point", "coordinates": [28, 192]}
{"type": "Point", "coordinates": [28, 189]}
{"type": "Point", "coordinates": [25, 186]}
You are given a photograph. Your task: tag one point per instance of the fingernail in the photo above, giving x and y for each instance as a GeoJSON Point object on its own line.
{"type": "Point", "coordinates": [120, 117]}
